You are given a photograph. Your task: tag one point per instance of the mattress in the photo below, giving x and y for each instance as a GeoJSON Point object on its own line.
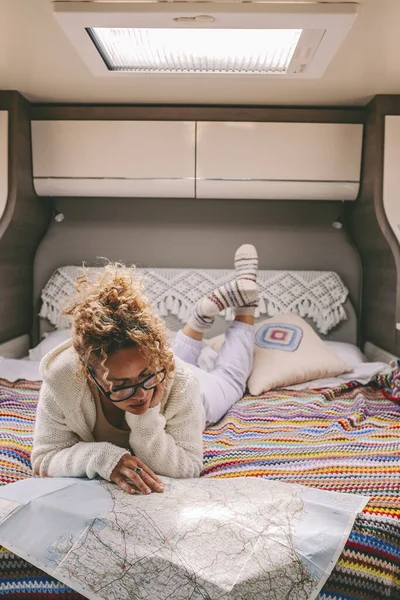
{"type": "Point", "coordinates": [345, 439]}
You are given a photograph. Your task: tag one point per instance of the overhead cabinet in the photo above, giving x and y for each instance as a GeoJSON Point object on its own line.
{"type": "Point", "coordinates": [279, 161]}
{"type": "Point", "coordinates": [114, 158]}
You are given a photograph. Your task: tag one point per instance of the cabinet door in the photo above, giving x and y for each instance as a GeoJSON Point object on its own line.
{"type": "Point", "coordinates": [320, 161]}
{"type": "Point", "coordinates": [3, 160]}
{"type": "Point", "coordinates": [391, 173]}
{"type": "Point", "coordinates": [114, 158]}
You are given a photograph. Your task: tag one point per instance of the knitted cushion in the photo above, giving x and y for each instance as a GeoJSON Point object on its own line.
{"type": "Point", "coordinates": [287, 351]}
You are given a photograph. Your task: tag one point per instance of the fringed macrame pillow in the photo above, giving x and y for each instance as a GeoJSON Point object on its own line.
{"type": "Point", "coordinates": [317, 295]}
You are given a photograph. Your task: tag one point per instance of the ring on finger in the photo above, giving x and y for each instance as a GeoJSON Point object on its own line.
{"type": "Point", "coordinates": [138, 470]}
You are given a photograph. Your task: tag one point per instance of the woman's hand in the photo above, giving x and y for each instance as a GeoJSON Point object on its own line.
{"type": "Point", "coordinates": [130, 470]}
{"type": "Point", "coordinates": [158, 394]}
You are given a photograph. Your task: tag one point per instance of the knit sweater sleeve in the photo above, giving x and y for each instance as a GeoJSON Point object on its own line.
{"type": "Point", "coordinates": [169, 438]}
{"type": "Point", "coordinates": [58, 451]}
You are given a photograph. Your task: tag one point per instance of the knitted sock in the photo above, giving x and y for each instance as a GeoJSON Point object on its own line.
{"type": "Point", "coordinates": [235, 293]}
{"type": "Point", "coordinates": [246, 262]}
{"type": "Point", "coordinates": [246, 266]}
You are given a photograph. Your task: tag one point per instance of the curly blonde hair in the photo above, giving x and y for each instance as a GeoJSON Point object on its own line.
{"type": "Point", "coordinates": [110, 313]}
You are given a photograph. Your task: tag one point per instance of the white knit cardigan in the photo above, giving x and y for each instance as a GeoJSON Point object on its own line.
{"type": "Point", "coordinates": [167, 438]}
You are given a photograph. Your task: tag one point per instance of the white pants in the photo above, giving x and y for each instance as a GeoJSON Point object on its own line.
{"type": "Point", "coordinates": [226, 383]}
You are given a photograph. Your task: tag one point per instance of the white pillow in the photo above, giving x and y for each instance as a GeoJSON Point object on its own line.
{"type": "Point", "coordinates": [349, 353]}
{"type": "Point", "coordinates": [51, 341]}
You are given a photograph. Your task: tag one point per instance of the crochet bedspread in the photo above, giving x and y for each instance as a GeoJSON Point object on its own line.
{"type": "Point", "coordinates": [346, 440]}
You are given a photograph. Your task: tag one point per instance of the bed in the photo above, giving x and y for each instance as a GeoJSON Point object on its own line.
{"type": "Point", "coordinates": [344, 437]}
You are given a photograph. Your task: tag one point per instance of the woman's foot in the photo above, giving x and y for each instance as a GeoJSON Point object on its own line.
{"type": "Point", "coordinates": [246, 262]}
{"type": "Point", "coordinates": [246, 266]}
{"type": "Point", "coordinates": [238, 293]}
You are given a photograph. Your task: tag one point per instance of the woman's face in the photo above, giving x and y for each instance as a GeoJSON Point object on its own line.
{"type": "Point", "coordinates": [126, 367]}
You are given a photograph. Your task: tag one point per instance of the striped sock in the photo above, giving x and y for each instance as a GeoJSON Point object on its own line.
{"type": "Point", "coordinates": [246, 262]}
{"type": "Point", "coordinates": [246, 311]}
{"type": "Point", "coordinates": [234, 294]}
{"type": "Point", "coordinates": [246, 266]}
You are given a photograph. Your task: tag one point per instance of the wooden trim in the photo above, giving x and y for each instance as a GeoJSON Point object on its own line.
{"type": "Point", "coordinates": [385, 104]}
{"type": "Point", "coordinates": [373, 236]}
{"type": "Point", "coordinates": [95, 112]}
{"type": "Point", "coordinates": [22, 225]}
{"type": "Point", "coordinates": [7, 99]}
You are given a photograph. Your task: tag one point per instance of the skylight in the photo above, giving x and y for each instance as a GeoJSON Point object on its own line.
{"type": "Point", "coordinates": [276, 40]}
{"type": "Point", "coordinates": [253, 51]}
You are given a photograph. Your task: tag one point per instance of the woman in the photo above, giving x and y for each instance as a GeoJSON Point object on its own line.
{"type": "Point", "coordinates": [117, 403]}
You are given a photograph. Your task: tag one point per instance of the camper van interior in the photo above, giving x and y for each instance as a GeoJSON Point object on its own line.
{"type": "Point", "coordinates": [241, 159]}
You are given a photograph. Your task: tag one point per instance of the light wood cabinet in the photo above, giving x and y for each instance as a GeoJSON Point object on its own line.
{"type": "Point", "coordinates": [183, 159]}
{"type": "Point", "coordinates": [279, 161]}
{"type": "Point", "coordinates": [114, 158]}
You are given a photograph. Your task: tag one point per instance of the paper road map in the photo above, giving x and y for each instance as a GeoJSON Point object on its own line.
{"type": "Point", "coordinates": [208, 539]}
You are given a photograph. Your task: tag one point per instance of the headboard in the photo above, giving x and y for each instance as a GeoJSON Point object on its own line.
{"type": "Point", "coordinates": [318, 296]}
{"type": "Point", "coordinates": [290, 235]}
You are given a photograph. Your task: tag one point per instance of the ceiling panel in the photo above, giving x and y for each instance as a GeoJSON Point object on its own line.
{"type": "Point", "coordinates": [37, 59]}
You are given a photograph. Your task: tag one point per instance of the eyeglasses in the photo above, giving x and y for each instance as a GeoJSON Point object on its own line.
{"type": "Point", "coordinates": [126, 392]}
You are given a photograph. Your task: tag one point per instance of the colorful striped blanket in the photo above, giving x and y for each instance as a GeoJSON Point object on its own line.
{"type": "Point", "coordinates": [346, 440]}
